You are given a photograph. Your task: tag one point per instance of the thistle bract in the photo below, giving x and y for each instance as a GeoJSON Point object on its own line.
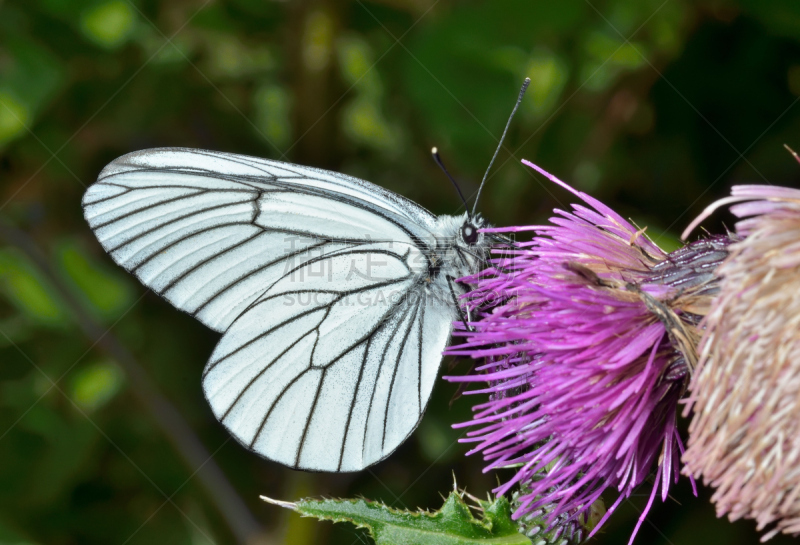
{"type": "Point", "coordinates": [587, 334]}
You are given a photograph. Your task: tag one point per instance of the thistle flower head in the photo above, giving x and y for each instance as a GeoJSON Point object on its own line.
{"type": "Point", "coordinates": [744, 438]}
{"type": "Point", "coordinates": [587, 333]}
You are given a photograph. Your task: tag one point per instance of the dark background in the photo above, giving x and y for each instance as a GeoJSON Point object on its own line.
{"type": "Point", "coordinates": [655, 107]}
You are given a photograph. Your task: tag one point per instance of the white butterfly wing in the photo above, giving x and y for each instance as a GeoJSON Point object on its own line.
{"type": "Point", "coordinates": [210, 231]}
{"type": "Point", "coordinates": [330, 376]}
{"type": "Point", "coordinates": [330, 382]}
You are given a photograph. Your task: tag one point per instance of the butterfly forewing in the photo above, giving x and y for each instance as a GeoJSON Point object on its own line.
{"type": "Point", "coordinates": [212, 241]}
{"type": "Point", "coordinates": [331, 340]}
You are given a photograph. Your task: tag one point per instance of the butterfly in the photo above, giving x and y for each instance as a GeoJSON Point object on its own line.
{"type": "Point", "coordinates": [335, 297]}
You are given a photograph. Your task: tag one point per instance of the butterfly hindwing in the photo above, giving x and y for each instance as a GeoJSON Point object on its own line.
{"type": "Point", "coordinates": [329, 379]}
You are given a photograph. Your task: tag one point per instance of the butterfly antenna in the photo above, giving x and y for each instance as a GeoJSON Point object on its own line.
{"type": "Point", "coordinates": [438, 159]}
{"type": "Point", "coordinates": [502, 138]}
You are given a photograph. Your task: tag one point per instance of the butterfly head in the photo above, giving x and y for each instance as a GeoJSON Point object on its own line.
{"type": "Point", "coordinates": [469, 234]}
{"type": "Point", "coordinates": [461, 247]}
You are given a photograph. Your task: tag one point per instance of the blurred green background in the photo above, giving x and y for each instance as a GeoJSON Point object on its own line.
{"type": "Point", "coordinates": [654, 106]}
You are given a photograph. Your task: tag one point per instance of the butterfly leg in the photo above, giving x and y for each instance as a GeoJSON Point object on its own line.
{"type": "Point", "coordinates": [461, 315]}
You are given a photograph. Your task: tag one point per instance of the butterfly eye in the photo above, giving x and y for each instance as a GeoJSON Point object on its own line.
{"type": "Point", "coordinates": [469, 233]}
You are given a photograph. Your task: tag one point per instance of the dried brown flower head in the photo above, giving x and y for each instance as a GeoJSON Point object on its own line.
{"type": "Point", "coordinates": [744, 438]}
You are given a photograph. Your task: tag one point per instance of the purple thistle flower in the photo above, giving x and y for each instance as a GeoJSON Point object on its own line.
{"type": "Point", "coordinates": [588, 333]}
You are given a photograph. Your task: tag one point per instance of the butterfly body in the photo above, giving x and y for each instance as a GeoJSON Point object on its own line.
{"type": "Point", "coordinates": [334, 297]}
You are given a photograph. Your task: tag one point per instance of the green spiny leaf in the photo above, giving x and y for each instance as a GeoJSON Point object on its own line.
{"type": "Point", "coordinates": [453, 524]}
